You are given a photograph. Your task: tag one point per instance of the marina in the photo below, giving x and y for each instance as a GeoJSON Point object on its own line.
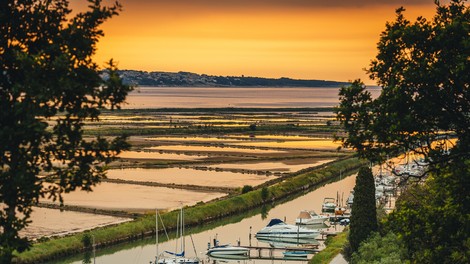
{"type": "Point", "coordinates": [241, 228]}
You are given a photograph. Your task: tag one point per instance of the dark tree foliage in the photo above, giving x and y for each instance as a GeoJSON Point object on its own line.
{"type": "Point", "coordinates": [363, 211]}
{"type": "Point", "coordinates": [49, 86]}
{"type": "Point", "coordinates": [423, 68]}
{"type": "Point", "coordinates": [433, 218]}
{"type": "Point", "coordinates": [247, 188]}
{"type": "Point", "coordinates": [264, 193]}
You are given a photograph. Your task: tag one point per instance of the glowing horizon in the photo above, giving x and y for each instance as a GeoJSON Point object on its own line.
{"type": "Point", "coordinates": [297, 39]}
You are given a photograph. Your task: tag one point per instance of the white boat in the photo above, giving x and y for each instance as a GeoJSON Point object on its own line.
{"type": "Point", "coordinates": [310, 218]}
{"type": "Point", "coordinates": [229, 258]}
{"type": "Point", "coordinates": [350, 200]}
{"type": "Point", "coordinates": [175, 258]}
{"type": "Point", "coordinates": [295, 254]}
{"type": "Point", "coordinates": [278, 229]}
{"type": "Point", "coordinates": [225, 250]}
{"type": "Point", "coordinates": [329, 205]}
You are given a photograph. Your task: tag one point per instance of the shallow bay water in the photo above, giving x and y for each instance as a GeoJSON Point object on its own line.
{"type": "Point", "coordinates": [136, 198]}
{"type": "Point", "coordinates": [49, 222]}
{"type": "Point", "coordinates": [158, 156]}
{"type": "Point", "coordinates": [205, 149]}
{"type": "Point", "coordinates": [188, 176]}
{"type": "Point", "coordinates": [279, 166]}
{"type": "Point", "coordinates": [221, 97]}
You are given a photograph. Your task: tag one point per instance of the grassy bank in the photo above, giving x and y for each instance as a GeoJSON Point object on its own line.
{"type": "Point", "coordinates": [334, 245]}
{"type": "Point", "coordinates": [195, 215]}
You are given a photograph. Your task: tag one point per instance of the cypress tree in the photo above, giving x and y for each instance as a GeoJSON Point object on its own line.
{"type": "Point", "coordinates": [363, 211]}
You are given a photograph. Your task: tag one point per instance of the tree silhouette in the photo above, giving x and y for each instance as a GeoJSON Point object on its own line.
{"type": "Point", "coordinates": [424, 106]}
{"type": "Point", "coordinates": [363, 210]}
{"type": "Point", "coordinates": [49, 86]}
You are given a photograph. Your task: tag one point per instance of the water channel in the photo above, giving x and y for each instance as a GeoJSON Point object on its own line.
{"type": "Point", "coordinates": [227, 231]}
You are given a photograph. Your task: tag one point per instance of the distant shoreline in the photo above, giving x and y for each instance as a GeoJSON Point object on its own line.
{"type": "Point", "coordinates": [233, 86]}
{"type": "Point", "coordinates": [188, 79]}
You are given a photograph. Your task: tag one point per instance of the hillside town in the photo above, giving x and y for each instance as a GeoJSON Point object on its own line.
{"type": "Point", "coordinates": [157, 78]}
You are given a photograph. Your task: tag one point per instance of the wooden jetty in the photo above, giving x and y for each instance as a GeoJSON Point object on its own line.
{"type": "Point", "coordinates": [260, 252]}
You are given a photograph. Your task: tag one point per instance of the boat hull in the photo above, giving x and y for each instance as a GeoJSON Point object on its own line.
{"type": "Point", "coordinates": [218, 252]}
{"type": "Point", "coordinates": [287, 235]}
{"type": "Point", "coordinates": [295, 254]}
{"type": "Point", "coordinates": [311, 221]}
{"type": "Point", "coordinates": [278, 229]}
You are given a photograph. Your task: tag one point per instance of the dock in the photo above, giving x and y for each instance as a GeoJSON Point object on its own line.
{"type": "Point", "coordinates": [261, 252]}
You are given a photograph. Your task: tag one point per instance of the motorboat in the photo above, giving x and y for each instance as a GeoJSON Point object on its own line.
{"type": "Point", "coordinates": [329, 205]}
{"type": "Point", "coordinates": [224, 250]}
{"type": "Point", "coordinates": [278, 229]}
{"type": "Point", "coordinates": [344, 222]}
{"type": "Point", "coordinates": [350, 200]}
{"type": "Point", "coordinates": [295, 254]}
{"type": "Point", "coordinates": [310, 218]}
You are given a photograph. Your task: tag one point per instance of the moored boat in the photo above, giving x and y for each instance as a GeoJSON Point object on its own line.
{"type": "Point", "coordinates": [277, 229]}
{"type": "Point", "coordinates": [295, 254]}
{"type": "Point", "coordinates": [225, 250]}
{"type": "Point", "coordinates": [329, 205]}
{"type": "Point", "coordinates": [310, 218]}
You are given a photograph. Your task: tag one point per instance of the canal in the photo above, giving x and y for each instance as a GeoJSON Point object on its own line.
{"type": "Point", "coordinates": [230, 230]}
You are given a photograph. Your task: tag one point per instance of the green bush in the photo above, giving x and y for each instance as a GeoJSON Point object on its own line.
{"type": "Point", "coordinates": [377, 249]}
{"type": "Point", "coordinates": [247, 188]}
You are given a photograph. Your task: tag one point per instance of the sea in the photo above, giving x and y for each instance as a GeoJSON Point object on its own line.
{"type": "Point", "coordinates": [236, 97]}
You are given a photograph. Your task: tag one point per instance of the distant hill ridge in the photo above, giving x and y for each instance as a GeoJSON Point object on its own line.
{"type": "Point", "coordinates": [157, 78]}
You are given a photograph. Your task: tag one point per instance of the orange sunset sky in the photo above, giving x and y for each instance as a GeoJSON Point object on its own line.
{"type": "Point", "coordinates": [307, 39]}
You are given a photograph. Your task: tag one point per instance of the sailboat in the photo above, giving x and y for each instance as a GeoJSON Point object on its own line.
{"type": "Point", "coordinates": [175, 258]}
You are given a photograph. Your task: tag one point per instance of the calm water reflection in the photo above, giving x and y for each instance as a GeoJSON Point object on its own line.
{"type": "Point", "coordinates": [203, 97]}
{"type": "Point", "coordinates": [135, 198]}
{"type": "Point", "coordinates": [186, 176]}
{"type": "Point", "coordinates": [237, 228]}
{"type": "Point", "coordinates": [48, 222]}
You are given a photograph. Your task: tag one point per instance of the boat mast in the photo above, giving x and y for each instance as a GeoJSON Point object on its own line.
{"type": "Point", "coordinates": [182, 232]}
{"type": "Point", "coordinates": [177, 234]}
{"type": "Point", "coordinates": [156, 234]}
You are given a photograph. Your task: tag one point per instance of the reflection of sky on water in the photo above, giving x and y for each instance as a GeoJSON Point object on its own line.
{"type": "Point", "coordinates": [48, 222]}
{"type": "Point", "coordinates": [212, 149]}
{"type": "Point", "coordinates": [313, 144]}
{"type": "Point", "coordinates": [188, 176]}
{"type": "Point", "coordinates": [207, 97]}
{"type": "Point", "coordinates": [158, 155]}
{"type": "Point", "coordinates": [138, 198]}
{"type": "Point", "coordinates": [272, 166]}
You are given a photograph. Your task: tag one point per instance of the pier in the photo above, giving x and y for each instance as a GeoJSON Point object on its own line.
{"type": "Point", "coordinates": [260, 252]}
